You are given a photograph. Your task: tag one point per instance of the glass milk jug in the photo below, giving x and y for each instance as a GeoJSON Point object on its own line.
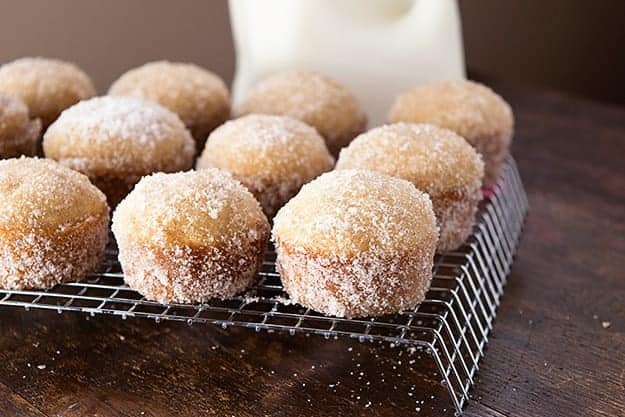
{"type": "Point", "coordinates": [377, 48]}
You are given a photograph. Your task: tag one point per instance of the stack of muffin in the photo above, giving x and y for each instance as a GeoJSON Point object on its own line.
{"type": "Point", "coordinates": [356, 217]}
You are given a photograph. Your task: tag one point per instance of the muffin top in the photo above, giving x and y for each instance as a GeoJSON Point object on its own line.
{"type": "Point", "coordinates": [350, 212]}
{"type": "Point", "coordinates": [47, 86]}
{"type": "Point", "coordinates": [468, 108]}
{"type": "Point", "coordinates": [312, 98]}
{"type": "Point", "coordinates": [199, 209]}
{"type": "Point", "coordinates": [120, 134]}
{"type": "Point", "coordinates": [434, 159]}
{"type": "Point", "coordinates": [267, 147]}
{"type": "Point", "coordinates": [40, 194]}
{"type": "Point", "coordinates": [197, 95]}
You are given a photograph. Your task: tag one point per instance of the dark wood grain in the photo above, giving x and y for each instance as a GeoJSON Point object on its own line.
{"type": "Point", "coordinates": [12, 404]}
{"type": "Point", "coordinates": [550, 355]}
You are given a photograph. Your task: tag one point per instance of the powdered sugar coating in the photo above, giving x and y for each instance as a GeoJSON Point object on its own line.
{"type": "Point", "coordinates": [199, 97]}
{"type": "Point", "coordinates": [47, 86]}
{"type": "Point", "coordinates": [470, 109]}
{"type": "Point", "coordinates": [190, 236]}
{"type": "Point", "coordinates": [119, 139]}
{"type": "Point", "coordinates": [312, 98]}
{"type": "Point", "coordinates": [53, 224]}
{"type": "Point", "coordinates": [356, 243]}
{"type": "Point", "coordinates": [18, 133]}
{"type": "Point", "coordinates": [273, 156]}
{"type": "Point", "coordinates": [436, 160]}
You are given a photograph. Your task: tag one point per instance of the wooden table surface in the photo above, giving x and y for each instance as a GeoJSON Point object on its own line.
{"type": "Point", "coordinates": [557, 349]}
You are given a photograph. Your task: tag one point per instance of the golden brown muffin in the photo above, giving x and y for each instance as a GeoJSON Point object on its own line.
{"type": "Point", "coordinates": [472, 110]}
{"type": "Point", "coordinates": [273, 156]}
{"type": "Point", "coordinates": [436, 160]}
{"type": "Point", "coordinates": [19, 134]}
{"type": "Point", "coordinates": [191, 236]}
{"type": "Point", "coordinates": [356, 243]}
{"type": "Point", "coordinates": [117, 140]}
{"type": "Point", "coordinates": [312, 98]}
{"type": "Point", "coordinates": [47, 86]}
{"type": "Point", "coordinates": [53, 224]}
{"type": "Point", "coordinates": [199, 97]}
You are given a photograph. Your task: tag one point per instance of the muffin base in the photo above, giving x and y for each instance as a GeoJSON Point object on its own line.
{"type": "Point", "coordinates": [271, 195]}
{"type": "Point", "coordinates": [115, 188]}
{"type": "Point", "coordinates": [337, 142]}
{"type": "Point", "coordinates": [201, 130]}
{"type": "Point", "coordinates": [39, 260]}
{"type": "Point", "coordinates": [494, 150]}
{"type": "Point", "coordinates": [361, 286]}
{"type": "Point", "coordinates": [180, 274]}
{"type": "Point", "coordinates": [455, 214]}
{"type": "Point", "coordinates": [26, 144]}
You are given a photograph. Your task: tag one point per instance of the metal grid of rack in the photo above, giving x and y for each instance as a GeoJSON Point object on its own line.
{"type": "Point", "coordinates": [452, 325]}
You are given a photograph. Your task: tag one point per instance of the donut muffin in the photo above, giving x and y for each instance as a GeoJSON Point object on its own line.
{"type": "Point", "coordinates": [117, 140]}
{"type": "Point", "coordinates": [53, 224]}
{"type": "Point", "coordinates": [356, 243]}
{"type": "Point", "coordinates": [47, 86]}
{"type": "Point", "coordinates": [273, 156]}
{"type": "Point", "coordinates": [191, 236]}
{"type": "Point", "coordinates": [436, 160]}
{"type": "Point", "coordinates": [199, 97]}
{"type": "Point", "coordinates": [312, 98]}
{"type": "Point", "coordinates": [19, 134]}
{"type": "Point", "coordinates": [472, 110]}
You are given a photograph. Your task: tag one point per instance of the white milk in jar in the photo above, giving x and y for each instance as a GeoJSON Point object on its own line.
{"type": "Point", "coordinates": [377, 48]}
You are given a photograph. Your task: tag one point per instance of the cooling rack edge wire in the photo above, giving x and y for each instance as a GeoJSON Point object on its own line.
{"type": "Point", "coordinates": [452, 325]}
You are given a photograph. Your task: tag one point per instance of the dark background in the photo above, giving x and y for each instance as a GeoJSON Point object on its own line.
{"type": "Point", "coordinates": [569, 45]}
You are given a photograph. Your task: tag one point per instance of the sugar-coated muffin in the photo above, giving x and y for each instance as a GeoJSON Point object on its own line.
{"type": "Point", "coordinates": [273, 156]}
{"type": "Point", "coordinates": [356, 243]}
{"type": "Point", "coordinates": [436, 160]}
{"type": "Point", "coordinates": [191, 236]}
{"type": "Point", "coordinates": [470, 109]}
{"type": "Point", "coordinates": [19, 134]}
{"type": "Point", "coordinates": [199, 97]}
{"type": "Point", "coordinates": [312, 98]}
{"type": "Point", "coordinates": [47, 86]}
{"type": "Point", "coordinates": [53, 224]}
{"type": "Point", "coordinates": [117, 140]}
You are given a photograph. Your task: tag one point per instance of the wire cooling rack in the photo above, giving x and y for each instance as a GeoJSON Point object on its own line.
{"type": "Point", "coordinates": [451, 325]}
